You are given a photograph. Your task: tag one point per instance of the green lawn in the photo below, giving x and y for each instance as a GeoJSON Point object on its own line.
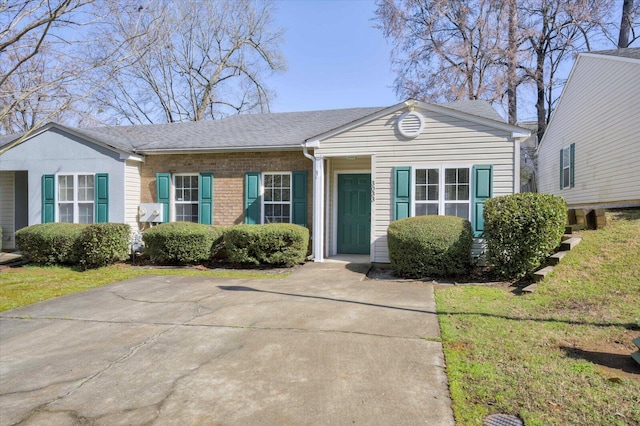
{"type": "Point", "coordinates": [30, 284]}
{"type": "Point", "coordinates": [559, 355]}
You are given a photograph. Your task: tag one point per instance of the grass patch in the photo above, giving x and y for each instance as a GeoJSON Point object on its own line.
{"type": "Point", "coordinates": [30, 284]}
{"type": "Point", "coordinates": [560, 355]}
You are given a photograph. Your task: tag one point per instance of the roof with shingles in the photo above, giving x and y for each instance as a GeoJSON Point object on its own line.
{"type": "Point", "coordinates": [244, 131]}
{"type": "Point", "coordinates": [629, 52]}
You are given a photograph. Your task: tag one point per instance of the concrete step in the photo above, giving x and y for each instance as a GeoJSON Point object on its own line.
{"type": "Point", "coordinates": [542, 273]}
{"type": "Point", "coordinates": [530, 288]}
{"type": "Point", "coordinates": [636, 342]}
{"type": "Point", "coordinates": [569, 229]}
{"type": "Point", "coordinates": [570, 243]}
{"type": "Point", "coordinates": [554, 259]}
{"type": "Point", "coordinates": [636, 356]}
{"type": "Point", "coordinates": [566, 237]}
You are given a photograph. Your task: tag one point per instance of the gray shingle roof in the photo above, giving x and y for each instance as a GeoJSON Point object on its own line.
{"type": "Point", "coordinates": [247, 131]}
{"type": "Point", "coordinates": [629, 52]}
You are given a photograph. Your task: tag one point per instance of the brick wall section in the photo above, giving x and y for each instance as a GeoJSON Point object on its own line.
{"type": "Point", "coordinates": [228, 177]}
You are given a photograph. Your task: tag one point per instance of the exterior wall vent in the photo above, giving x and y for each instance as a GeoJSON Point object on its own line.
{"type": "Point", "coordinates": [410, 124]}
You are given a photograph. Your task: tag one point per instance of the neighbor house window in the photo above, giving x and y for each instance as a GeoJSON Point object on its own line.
{"type": "Point", "coordinates": [76, 197]}
{"type": "Point", "coordinates": [186, 198]}
{"type": "Point", "coordinates": [276, 205]}
{"type": "Point", "coordinates": [442, 191]}
{"type": "Point", "coordinates": [566, 166]}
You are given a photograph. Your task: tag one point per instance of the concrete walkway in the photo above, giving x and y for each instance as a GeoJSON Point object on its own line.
{"type": "Point", "coordinates": [323, 346]}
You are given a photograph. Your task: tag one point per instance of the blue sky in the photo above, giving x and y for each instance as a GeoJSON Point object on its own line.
{"type": "Point", "coordinates": [335, 58]}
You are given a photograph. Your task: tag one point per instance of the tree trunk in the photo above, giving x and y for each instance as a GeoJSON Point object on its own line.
{"type": "Point", "coordinates": [511, 64]}
{"type": "Point", "coordinates": [540, 101]}
{"type": "Point", "coordinates": [625, 24]}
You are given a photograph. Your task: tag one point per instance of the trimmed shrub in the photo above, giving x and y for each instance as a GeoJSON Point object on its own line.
{"type": "Point", "coordinates": [521, 230]}
{"type": "Point", "coordinates": [50, 243]}
{"type": "Point", "coordinates": [430, 246]}
{"type": "Point", "coordinates": [182, 242]}
{"type": "Point", "coordinates": [276, 244]}
{"type": "Point", "coordinates": [102, 244]}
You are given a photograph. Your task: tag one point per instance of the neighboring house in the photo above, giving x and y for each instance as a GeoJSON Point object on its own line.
{"type": "Point", "coordinates": [590, 152]}
{"type": "Point", "coordinates": [345, 174]}
{"type": "Point", "coordinates": [529, 158]}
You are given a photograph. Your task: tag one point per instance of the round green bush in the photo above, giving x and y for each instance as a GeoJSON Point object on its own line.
{"type": "Point", "coordinates": [277, 244]}
{"type": "Point", "coordinates": [51, 243]}
{"type": "Point", "coordinates": [430, 246]}
{"type": "Point", "coordinates": [102, 244]}
{"type": "Point", "coordinates": [182, 242]}
{"type": "Point", "coordinates": [522, 230]}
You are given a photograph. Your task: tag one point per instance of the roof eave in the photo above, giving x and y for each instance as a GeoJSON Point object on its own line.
{"type": "Point", "coordinates": [209, 150]}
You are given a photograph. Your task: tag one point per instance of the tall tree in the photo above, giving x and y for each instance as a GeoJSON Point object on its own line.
{"type": "Point", "coordinates": [443, 43]}
{"type": "Point", "coordinates": [625, 25]}
{"type": "Point", "coordinates": [198, 60]}
{"type": "Point", "coordinates": [445, 50]}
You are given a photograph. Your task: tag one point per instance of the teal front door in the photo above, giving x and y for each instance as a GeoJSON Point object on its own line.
{"type": "Point", "coordinates": [354, 213]}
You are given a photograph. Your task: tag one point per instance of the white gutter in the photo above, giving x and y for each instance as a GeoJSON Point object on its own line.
{"type": "Point", "coordinates": [317, 249]}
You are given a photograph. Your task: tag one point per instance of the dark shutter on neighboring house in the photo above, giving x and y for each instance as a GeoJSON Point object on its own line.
{"type": "Point", "coordinates": [205, 198]}
{"type": "Point", "coordinates": [102, 197]}
{"type": "Point", "coordinates": [561, 168]}
{"type": "Point", "coordinates": [482, 191]}
{"type": "Point", "coordinates": [163, 194]}
{"type": "Point", "coordinates": [252, 198]}
{"type": "Point", "coordinates": [401, 192]}
{"type": "Point", "coordinates": [48, 198]}
{"type": "Point", "coordinates": [572, 153]}
{"type": "Point", "coordinates": [299, 198]}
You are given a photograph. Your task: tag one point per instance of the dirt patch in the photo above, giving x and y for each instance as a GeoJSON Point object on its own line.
{"type": "Point", "coordinates": [479, 276]}
{"type": "Point", "coordinates": [612, 362]}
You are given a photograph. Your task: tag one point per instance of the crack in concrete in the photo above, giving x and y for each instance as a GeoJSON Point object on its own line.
{"type": "Point", "coordinates": [132, 351]}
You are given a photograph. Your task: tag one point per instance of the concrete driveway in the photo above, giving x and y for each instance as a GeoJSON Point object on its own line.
{"type": "Point", "coordinates": [323, 346]}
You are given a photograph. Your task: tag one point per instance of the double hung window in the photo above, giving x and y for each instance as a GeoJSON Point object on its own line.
{"type": "Point", "coordinates": [277, 198]}
{"type": "Point", "coordinates": [442, 190]}
{"type": "Point", "coordinates": [186, 198]}
{"type": "Point", "coordinates": [76, 198]}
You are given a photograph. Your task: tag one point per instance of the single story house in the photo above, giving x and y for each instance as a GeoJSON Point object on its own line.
{"type": "Point", "coordinates": [590, 152]}
{"type": "Point", "coordinates": [345, 174]}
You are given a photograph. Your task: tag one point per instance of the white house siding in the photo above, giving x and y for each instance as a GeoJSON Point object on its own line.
{"type": "Point", "coordinates": [7, 201]}
{"type": "Point", "coordinates": [444, 140]}
{"type": "Point", "coordinates": [131, 193]}
{"type": "Point", "coordinates": [360, 164]}
{"type": "Point", "coordinates": [599, 111]}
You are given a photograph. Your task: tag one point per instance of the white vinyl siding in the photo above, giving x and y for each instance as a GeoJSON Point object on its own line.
{"type": "Point", "coordinates": [131, 193]}
{"type": "Point", "coordinates": [7, 205]}
{"type": "Point", "coordinates": [598, 111]}
{"type": "Point", "coordinates": [445, 140]}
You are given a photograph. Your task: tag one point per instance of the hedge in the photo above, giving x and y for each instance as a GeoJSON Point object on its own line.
{"type": "Point", "coordinates": [430, 246]}
{"type": "Point", "coordinates": [522, 230]}
{"type": "Point", "coordinates": [51, 243]}
{"type": "Point", "coordinates": [277, 244]}
{"type": "Point", "coordinates": [102, 244]}
{"type": "Point", "coordinates": [182, 242]}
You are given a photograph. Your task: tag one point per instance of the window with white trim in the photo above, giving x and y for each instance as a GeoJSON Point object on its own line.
{"type": "Point", "coordinates": [442, 190]}
{"type": "Point", "coordinates": [76, 198]}
{"type": "Point", "coordinates": [186, 197]}
{"type": "Point", "coordinates": [276, 200]}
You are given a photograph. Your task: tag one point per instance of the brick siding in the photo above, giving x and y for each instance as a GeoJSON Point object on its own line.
{"type": "Point", "coordinates": [228, 177]}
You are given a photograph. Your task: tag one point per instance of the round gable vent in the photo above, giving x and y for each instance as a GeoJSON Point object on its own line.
{"type": "Point", "coordinates": [410, 124]}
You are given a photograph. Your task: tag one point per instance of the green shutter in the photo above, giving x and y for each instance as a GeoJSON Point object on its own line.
{"type": "Point", "coordinates": [561, 169]}
{"type": "Point", "coordinates": [572, 154]}
{"type": "Point", "coordinates": [163, 194]}
{"type": "Point", "coordinates": [252, 198]}
{"type": "Point", "coordinates": [482, 191]}
{"type": "Point", "coordinates": [401, 192]}
{"type": "Point", "coordinates": [48, 198]}
{"type": "Point", "coordinates": [299, 198]}
{"type": "Point", "coordinates": [102, 197]}
{"type": "Point", "coordinates": [205, 198]}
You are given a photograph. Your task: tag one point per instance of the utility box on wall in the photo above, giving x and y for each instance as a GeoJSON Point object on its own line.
{"type": "Point", "coordinates": [150, 212]}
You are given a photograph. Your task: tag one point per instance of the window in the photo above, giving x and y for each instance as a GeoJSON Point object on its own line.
{"type": "Point", "coordinates": [434, 195]}
{"type": "Point", "coordinates": [186, 198]}
{"type": "Point", "coordinates": [277, 198]}
{"type": "Point", "coordinates": [76, 197]}
{"type": "Point", "coordinates": [566, 166]}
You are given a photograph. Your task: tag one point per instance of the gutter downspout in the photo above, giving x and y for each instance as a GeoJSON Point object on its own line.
{"type": "Point", "coordinates": [318, 199]}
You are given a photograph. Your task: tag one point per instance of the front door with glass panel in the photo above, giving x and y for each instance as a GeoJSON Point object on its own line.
{"type": "Point", "coordinates": [354, 213]}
